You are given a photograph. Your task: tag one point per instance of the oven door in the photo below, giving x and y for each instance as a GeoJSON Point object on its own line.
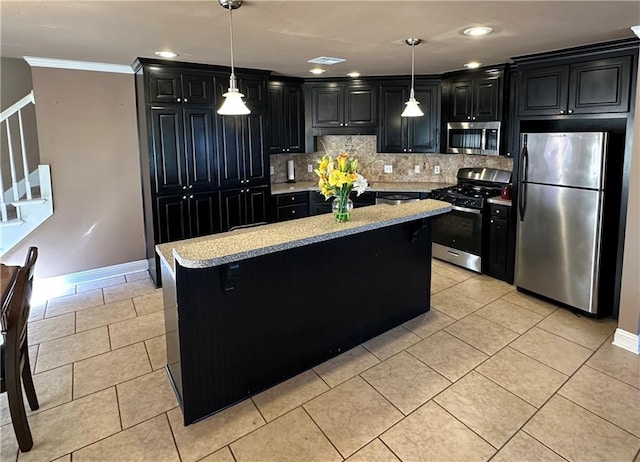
{"type": "Point", "coordinates": [457, 237]}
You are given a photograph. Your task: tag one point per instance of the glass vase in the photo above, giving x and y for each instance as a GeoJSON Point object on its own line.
{"type": "Point", "coordinates": [341, 207]}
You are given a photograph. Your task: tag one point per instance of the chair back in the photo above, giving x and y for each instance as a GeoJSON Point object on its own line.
{"type": "Point", "coordinates": [17, 306]}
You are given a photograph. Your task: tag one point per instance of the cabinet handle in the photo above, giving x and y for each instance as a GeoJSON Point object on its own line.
{"type": "Point", "coordinates": [570, 111]}
{"type": "Point", "coordinates": [178, 99]}
{"type": "Point", "coordinates": [562, 111]}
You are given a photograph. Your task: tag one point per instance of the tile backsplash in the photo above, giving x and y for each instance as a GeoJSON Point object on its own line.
{"type": "Point", "coordinates": [372, 163]}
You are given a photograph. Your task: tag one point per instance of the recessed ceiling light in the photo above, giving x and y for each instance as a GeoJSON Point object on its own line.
{"type": "Point", "coordinates": [317, 70]}
{"type": "Point", "coordinates": [478, 31]}
{"type": "Point", "coordinates": [473, 65]}
{"type": "Point", "coordinates": [353, 74]}
{"type": "Point", "coordinates": [166, 54]}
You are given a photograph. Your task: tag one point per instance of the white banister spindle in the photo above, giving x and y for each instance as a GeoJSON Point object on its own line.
{"type": "Point", "coordinates": [3, 205]}
{"type": "Point", "coordinates": [12, 164]}
{"type": "Point", "coordinates": [25, 165]}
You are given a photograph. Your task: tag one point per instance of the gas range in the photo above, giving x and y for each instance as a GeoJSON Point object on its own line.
{"type": "Point", "coordinates": [466, 195]}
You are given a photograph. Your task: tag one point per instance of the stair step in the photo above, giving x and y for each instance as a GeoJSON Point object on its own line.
{"type": "Point", "coordinates": [34, 201]}
{"type": "Point", "coordinates": [12, 222]}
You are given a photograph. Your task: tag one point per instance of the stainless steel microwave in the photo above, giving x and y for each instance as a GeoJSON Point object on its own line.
{"type": "Point", "coordinates": [473, 138]}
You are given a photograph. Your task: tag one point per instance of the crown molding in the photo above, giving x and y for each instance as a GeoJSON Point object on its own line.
{"type": "Point", "coordinates": [34, 61]}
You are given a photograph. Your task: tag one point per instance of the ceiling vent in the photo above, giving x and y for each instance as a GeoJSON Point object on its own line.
{"type": "Point", "coordinates": [326, 60]}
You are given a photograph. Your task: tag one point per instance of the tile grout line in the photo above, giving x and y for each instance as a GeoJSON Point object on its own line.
{"type": "Point", "coordinates": [608, 375]}
{"type": "Point", "coordinates": [321, 431]}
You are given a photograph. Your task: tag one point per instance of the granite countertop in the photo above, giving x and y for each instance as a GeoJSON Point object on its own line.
{"type": "Point", "coordinates": [378, 186]}
{"type": "Point", "coordinates": [220, 249]}
{"type": "Point", "coordinates": [500, 201]}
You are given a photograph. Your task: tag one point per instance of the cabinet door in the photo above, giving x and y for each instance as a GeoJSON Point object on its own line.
{"type": "Point", "coordinates": [360, 106]}
{"type": "Point", "coordinates": [600, 86]}
{"type": "Point", "coordinates": [424, 131]}
{"type": "Point", "coordinates": [256, 205]}
{"type": "Point", "coordinates": [327, 106]}
{"type": "Point", "coordinates": [543, 91]}
{"type": "Point", "coordinates": [255, 160]}
{"type": "Point", "coordinates": [392, 132]}
{"type": "Point", "coordinates": [276, 111]}
{"type": "Point", "coordinates": [167, 165]}
{"type": "Point", "coordinates": [200, 154]}
{"type": "Point", "coordinates": [294, 118]}
{"type": "Point", "coordinates": [232, 208]}
{"type": "Point", "coordinates": [230, 150]}
{"type": "Point", "coordinates": [255, 94]}
{"type": "Point", "coordinates": [165, 87]}
{"type": "Point", "coordinates": [460, 94]}
{"type": "Point", "coordinates": [197, 89]}
{"type": "Point", "coordinates": [497, 265]}
{"type": "Point", "coordinates": [204, 214]}
{"type": "Point", "coordinates": [486, 99]}
{"type": "Point", "coordinates": [172, 218]}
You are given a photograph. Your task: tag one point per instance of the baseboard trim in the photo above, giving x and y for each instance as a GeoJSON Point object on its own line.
{"type": "Point", "coordinates": [46, 288]}
{"type": "Point", "coordinates": [627, 341]}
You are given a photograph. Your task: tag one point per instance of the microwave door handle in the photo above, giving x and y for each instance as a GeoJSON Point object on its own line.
{"type": "Point", "coordinates": [483, 140]}
{"type": "Point", "coordinates": [522, 184]}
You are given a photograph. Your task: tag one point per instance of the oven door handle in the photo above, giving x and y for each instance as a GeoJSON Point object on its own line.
{"type": "Point", "coordinates": [464, 209]}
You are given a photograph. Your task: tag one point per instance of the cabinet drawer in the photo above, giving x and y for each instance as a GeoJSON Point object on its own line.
{"type": "Point", "coordinates": [292, 199]}
{"type": "Point", "coordinates": [289, 212]}
{"type": "Point", "coordinates": [499, 211]}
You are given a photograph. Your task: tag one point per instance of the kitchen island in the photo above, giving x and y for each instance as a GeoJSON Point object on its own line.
{"type": "Point", "coordinates": [248, 309]}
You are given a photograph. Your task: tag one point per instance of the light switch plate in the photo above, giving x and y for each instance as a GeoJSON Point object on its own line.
{"type": "Point", "coordinates": [436, 170]}
{"type": "Point", "coordinates": [388, 169]}
{"type": "Point", "coordinates": [272, 170]}
{"type": "Point", "coordinates": [416, 169]}
{"type": "Point", "coordinates": [310, 168]}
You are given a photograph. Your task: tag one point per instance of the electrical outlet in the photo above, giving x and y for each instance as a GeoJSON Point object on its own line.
{"type": "Point", "coordinates": [272, 170]}
{"type": "Point", "coordinates": [388, 169]}
{"type": "Point", "coordinates": [416, 169]}
{"type": "Point", "coordinates": [310, 168]}
{"type": "Point", "coordinates": [436, 170]}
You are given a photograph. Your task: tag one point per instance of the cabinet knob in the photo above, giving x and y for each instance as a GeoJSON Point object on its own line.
{"type": "Point", "coordinates": [293, 212]}
{"type": "Point", "coordinates": [570, 111]}
{"type": "Point", "coordinates": [191, 196]}
{"type": "Point", "coordinates": [497, 212]}
{"type": "Point", "coordinates": [562, 111]}
{"type": "Point", "coordinates": [185, 100]}
{"type": "Point", "coordinates": [184, 197]}
{"type": "Point", "coordinates": [190, 186]}
{"type": "Point", "coordinates": [491, 221]}
{"type": "Point", "coordinates": [410, 150]}
{"type": "Point", "coordinates": [473, 118]}
{"type": "Point", "coordinates": [346, 125]}
{"type": "Point", "coordinates": [178, 99]}
{"type": "Point", "coordinates": [293, 198]}
{"type": "Point", "coordinates": [405, 149]}
{"type": "Point", "coordinates": [184, 187]}
{"type": "Point", "coordinates": [468, 117]}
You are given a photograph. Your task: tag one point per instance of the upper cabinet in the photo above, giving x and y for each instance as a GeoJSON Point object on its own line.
{"type": "Point", "coordinates": [286, 117]}
{"type": "Point", "coordinates": [398, 134]}
{"type": "Point", "coordinates": [475, 95]}
{"type": "Point", "coordinates": [175, 87]}
{"type": "Point", "coordinates": [342, 107]}
{"type": "Point", "coordinates": [590, 86]}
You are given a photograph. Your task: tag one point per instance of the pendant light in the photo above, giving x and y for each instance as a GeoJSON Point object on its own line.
{"type": "Point", "coordinates": [412, 109]}
{"type": "Point", "coordinates": [233, 104]}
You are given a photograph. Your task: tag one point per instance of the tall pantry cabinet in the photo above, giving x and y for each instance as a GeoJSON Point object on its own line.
{"type": "Point", "coordinates": [202, 173]}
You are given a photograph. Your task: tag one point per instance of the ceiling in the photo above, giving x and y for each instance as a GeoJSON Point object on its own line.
{"type": "Point", "coordinates": [282, 35]}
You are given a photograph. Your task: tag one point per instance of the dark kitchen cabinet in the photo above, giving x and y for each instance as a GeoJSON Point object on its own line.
{"type": "Point", "coordinates": [500, 244]}
{"type": "Point", "coordinates": [286, 117]}
{"type": "Point", "coordinates": [177, 87]}
{"type": "Point", "coordinates": [583, 87]}
{"type": "Point", "coordinates": [241, 140]}
{"type": "Point", "coordinates": [187, 215]}
{"type": "Point", "coordinates": [184, 154]}
{"type": "Point", "coordinates": [475, 96]}
{"type": "Point", "coordinates": [343, 105]}
{"type": "Point", "coordinates": [241, 207]}
{"type": "Point", "coordinates": [398, 134]}
{"type": "Point", "coordinates": [290, 206]}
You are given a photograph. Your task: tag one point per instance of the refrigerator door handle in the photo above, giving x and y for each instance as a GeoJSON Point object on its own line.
{"type": "Point", "coordinates": [522, 189]}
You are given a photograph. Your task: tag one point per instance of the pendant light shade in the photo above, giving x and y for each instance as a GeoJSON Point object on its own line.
{"type": "Point", "coordinates": [233, 103]}
{"type": "Point", "coordinates": [412, 108]}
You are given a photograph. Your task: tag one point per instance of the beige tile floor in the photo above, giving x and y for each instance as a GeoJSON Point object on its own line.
{"type": "Point", "coordinates": [488, 373]}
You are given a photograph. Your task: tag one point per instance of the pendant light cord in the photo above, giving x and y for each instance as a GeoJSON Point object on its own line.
{"type": "Point", "coordinates": [413, 45]}
{"type": "Point", "coordinates": [233, 75]}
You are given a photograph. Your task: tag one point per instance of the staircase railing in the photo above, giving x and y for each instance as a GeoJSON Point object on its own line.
{"type": "Point", "coordinates": [5, 117]}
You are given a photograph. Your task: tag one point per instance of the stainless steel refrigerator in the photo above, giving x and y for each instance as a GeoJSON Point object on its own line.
{"type": "Point", "coordinates": [560, 209]}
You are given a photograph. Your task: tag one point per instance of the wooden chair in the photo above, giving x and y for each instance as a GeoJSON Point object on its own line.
{"type": "Point", "coordinates": [14, 353]}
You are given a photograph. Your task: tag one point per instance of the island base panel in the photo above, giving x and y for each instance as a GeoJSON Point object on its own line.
{"type": "Point", "coordinates": [245, 327]}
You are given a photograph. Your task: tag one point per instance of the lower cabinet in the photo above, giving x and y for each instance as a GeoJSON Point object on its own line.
{"type": "Point", "coordinates": [246, 206]}
{"type": "Point", "coordinates": [500, 244]}
{"type": "Point", "coordinates": [290, 206]}
{"type": "Point", "coordinates": [187, 215]}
